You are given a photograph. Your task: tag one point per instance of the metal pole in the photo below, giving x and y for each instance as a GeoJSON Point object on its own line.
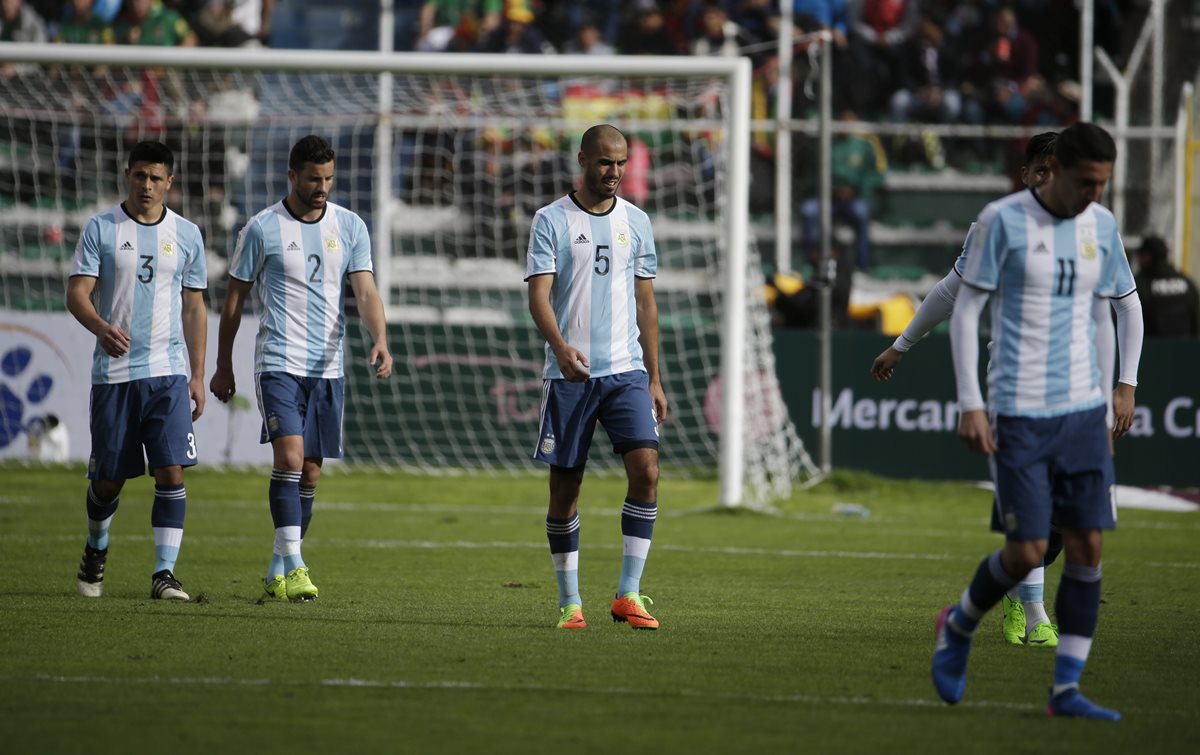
{"type": "Point", "coordinates": [783, 145]}
{"type": "Point", "coordinates": [1178, 235]}
{"type": "Point", "coordinates": [382, 211]}
{"type": "Point", "coordinates": [1119, 178]}
{"type": "Point", "coordinates": [1157, 86]}
{"type": "Point", "coordinates": [1087, 21]}
{"type": "Point", "coordinates": [824, 267]}
{"type": "Point", "coordinates": [733, 325]}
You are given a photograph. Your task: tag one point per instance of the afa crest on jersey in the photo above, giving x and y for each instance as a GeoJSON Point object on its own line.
{"type": "Point", "coordinates": [331, 245]}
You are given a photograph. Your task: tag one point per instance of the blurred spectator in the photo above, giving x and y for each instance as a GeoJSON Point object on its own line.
{"type": "Point", "coordinates": [811, 15]}
{"type": "Point", "coordinates": [1170, 303]}
{"type": "Point", "coordinates": [719, 35]}
{"type": "Point", "coordinates": [19, 23]}
{"type": "Point", "coordinates": [759, 18]}
{"type": "Point", "coordinates": [457, 25]}
{"type": "Point", "coordinates": [517, 34]}
{"type": "Point", "coordinates": [858, 165]}
{"type": "Point", "coordinates": [587, 41]}
{"type": "Point", "coordinates": [1005, 71]}
{"type": "Point", "coordinates": [81, 26]}
{"type": "Point", "coordinates": [927, 77]}
{"type": "Point", "coordinates": [648, 34]}
{"type": "Point", "coordinates": [148, 22]}
{"type": "Point", "coordinates": [878, 31]}
{"type": "Point", "coordinates": [233, 23]}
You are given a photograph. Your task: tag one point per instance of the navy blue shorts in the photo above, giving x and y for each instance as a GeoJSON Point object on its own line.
{"type": "Point", "coordinates": [307, 406]}
{"type": "Point", "coordinates": [1053, 469]}
{"type": "Point", "coordinates": [147, 420]}
{"type": "Point", "coordinates": [570, 411]}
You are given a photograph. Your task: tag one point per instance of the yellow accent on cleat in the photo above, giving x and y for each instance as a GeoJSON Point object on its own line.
{"type": "Point", "coordinates": [572, 617]}
{"type": "Point", "coordinates": [631, 607]}
{"type": "Point", "coordinates": [276, 587]}
{"type": "Point", "coordinates": [299, 587]}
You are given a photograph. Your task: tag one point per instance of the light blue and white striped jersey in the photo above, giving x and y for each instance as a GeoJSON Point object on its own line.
{"type": "Point", "coordinates": [960, 263]}
{"type": "Point", "coordinates": [1044, 272]}
{"type": "Point", "coordinates": [141, 271]}
{"type": "Point", "coordinates": [595, 260]}
{"type": "Point", "coordinates": [299, 271]}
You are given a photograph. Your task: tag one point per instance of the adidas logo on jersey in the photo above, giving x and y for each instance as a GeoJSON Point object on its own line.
{"type": "Point", "coordinates": [581, 239]}
{"type": "Point", "coordinates": [127, 247]}
{"type": "Point", "coordinates": [292, 247]}
{"type": "Point", "coordinates": [1041, 248]}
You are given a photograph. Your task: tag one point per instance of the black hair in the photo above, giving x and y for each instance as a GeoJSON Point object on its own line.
{"type": "Point", "coordinates": [1154, 247]}
{"type": "Point", "coordinates": [310, 149]}
{"type": "Point", "coordinates": [594, 135]}
{"type": "Point", "coordinates": [153, 152]}
{"type": "Point", "coordinates": [1040, 146]}
{"type": "Point", "coordinates": [1084, 142]}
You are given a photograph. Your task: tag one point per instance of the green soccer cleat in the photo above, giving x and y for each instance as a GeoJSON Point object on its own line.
{"type": "Point", "coordinates": [572, 617]}
{"type": "Point", "coordinates": [276, 587]}
{"type": "Point", "coordinates": [299, 587]}
{"type": "Point", "coordinates": [1014, 621]}
{"type": "Point", "coordinates": [1044, 635]}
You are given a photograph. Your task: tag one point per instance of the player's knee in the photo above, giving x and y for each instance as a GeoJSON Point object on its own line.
{"type": "Point", "coordinates": [107, 489]}
{"type": "Point", "coordinates": [172, 475]}
{"type": "Point", "coordinates": [310, 475]}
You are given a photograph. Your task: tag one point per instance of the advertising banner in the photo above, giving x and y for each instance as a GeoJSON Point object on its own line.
{"type": "Point", "coordinates": [906, 426]}
{"type": "Point", "coordinates": [45, 389]}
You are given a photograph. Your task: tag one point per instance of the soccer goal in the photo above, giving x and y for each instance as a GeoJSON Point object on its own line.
{"type": "Point", "coordinates": [446, 157]}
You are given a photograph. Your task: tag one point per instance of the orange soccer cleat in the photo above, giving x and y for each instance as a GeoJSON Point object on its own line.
{"type": "Point", "coordinates": [631, 607]}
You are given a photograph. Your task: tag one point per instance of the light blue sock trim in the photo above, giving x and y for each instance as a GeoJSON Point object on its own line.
{"type": "Point", "coordinates": [568, 588]}
{"type": "Point", "coordinates": [166, 556]}
{"type": "Point", "coordinates": [98, 538]}
{"type": "Point", "coordinates": [631, 575]}
{"type": "Point", "coordinates": [292, 562]}
{"type": "Point", "coordinates": [276, 567]}
{"type": "Point", "coordinates": [1067, 670]}
{"type": "Point", "coordinates": [1031, 593]}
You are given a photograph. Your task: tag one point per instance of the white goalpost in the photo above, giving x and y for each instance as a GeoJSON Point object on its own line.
{"type": "Point", "coordinates": [446, 156]}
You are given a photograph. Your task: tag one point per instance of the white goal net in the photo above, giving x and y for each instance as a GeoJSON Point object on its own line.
{"type": "Point", "coordinates": [466, 160]}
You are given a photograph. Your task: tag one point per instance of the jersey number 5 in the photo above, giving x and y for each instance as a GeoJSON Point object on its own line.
{"type": "Point", "coordinates": [602, 256]}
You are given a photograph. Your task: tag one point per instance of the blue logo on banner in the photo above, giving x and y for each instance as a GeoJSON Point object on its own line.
{"type": "Point", "coordinates": [13, 365]}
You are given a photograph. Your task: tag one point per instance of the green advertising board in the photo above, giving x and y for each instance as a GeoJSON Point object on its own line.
{"type": "Point", "coordinates": [906, 426]}
{"type": "Point", "coordinates": [468, 396]}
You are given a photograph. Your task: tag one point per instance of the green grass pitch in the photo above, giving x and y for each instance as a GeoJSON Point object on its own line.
{"type": "Point", "coordinates": [804, 632]}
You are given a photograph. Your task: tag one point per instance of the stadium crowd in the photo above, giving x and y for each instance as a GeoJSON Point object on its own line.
{"type": "Point", "coordinates": [920, 61]}
{"type": "Point", "coordinates": [949, 61]}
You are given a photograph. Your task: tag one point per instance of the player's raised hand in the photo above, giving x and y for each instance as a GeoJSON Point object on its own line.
{"type": "Point", "coordinates": [196, 391]}
{"type": "Point", "coordinates": [573, 363]}
{"type": "Point", "coordinates": [115, 342]}
{"type": "Point", "coordinates": [976, 432]}
{"type": "Point", "coordinates": [885, 364]}
{"type": "Point", "coordinates": [1123, 405]}
{"type": "Point", "coordinates": [222, 385]}
{"type": "Point", "coordinates": [381, 360]}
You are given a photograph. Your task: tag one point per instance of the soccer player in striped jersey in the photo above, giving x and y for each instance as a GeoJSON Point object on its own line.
{"type": "Point", "coordinates": [590, 268]}
{"type": "Point", "coordinates": [1025, 619]}
{"type": "Point", "coordinates": [137, 283]}
{"type": "Point", "coordinates": [1042, 257]}
{"type": "Point", "coordinates": [297, 256]}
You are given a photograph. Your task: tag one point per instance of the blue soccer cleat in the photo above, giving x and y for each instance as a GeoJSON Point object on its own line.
{"type": "Point", "coordinates": [1071, 703]}
{"type": "Point", "coordinates": [950, 660]}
